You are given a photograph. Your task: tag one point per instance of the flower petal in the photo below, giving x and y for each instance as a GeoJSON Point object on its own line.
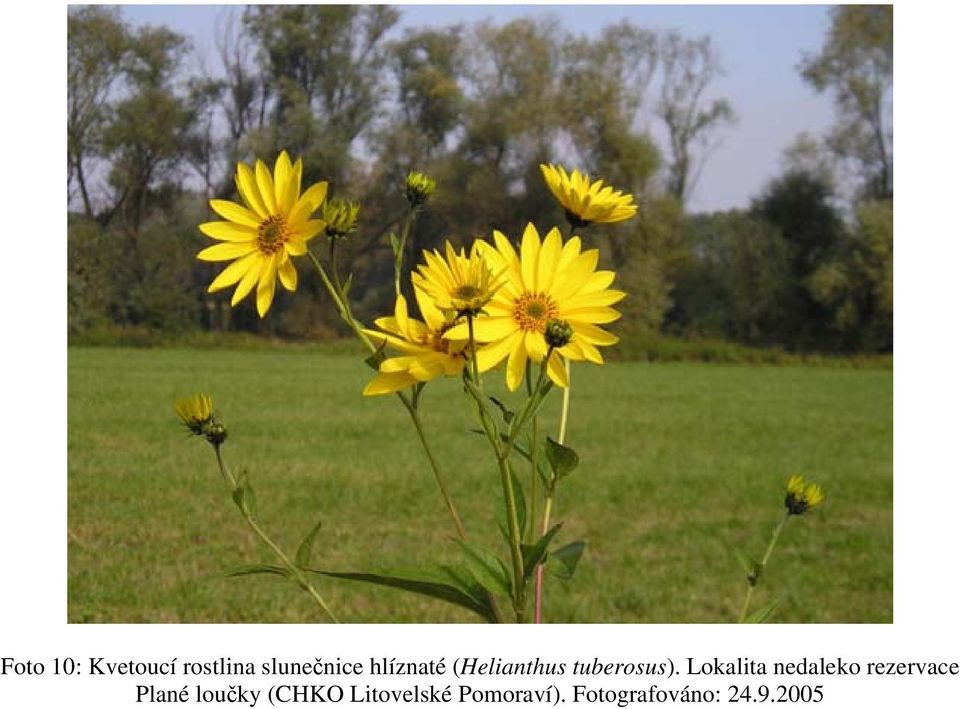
{"type": "Point", "coordinates": [249, 192]}
{"type": "Point", "coordinates": [557, 370]}
{"type": "Point", "coordinates": [388, 383]}
{"type": "Point", "coordinates": [288, 274]}
{"type": "Point", "coordinates": [491, 355]}
{"type": "Point", "coordinates": [516, 366]}
{"type": "Point", "coordinates": [248, 281]}
{"type": "Point", "coordinates": [529, 253]}
{"type": "Point", "coordinates": [491, 329]}
{"type": "Point", "coordinates": [231, 211]}
{"type": "Point", "coordinates": [267, 286]}
{"type": "Point", "coordinates": [228, 231]}
{"type": "Point", "coordinates": [227, 251]}
{"type": "Point", "coordinates": [265, 185]}
{"type": "Point", "coordinates": [307, 204]}
{"type": "Point", "coordinates": [234, 272]}
{"type": "Point", "coordinates": [547, 262]}
{"type": "Point", "coordinates": [282, 172]}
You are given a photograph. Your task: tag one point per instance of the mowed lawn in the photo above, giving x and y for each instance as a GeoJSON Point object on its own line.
{"type": "Point", "coordinates": [679, 463]}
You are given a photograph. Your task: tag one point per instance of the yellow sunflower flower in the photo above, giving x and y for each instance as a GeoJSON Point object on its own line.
{"type": "Point", "coordinates": [586, 202]}
{"type": "Point", "coordinates": [547, 282]}
{"type": "Point", "coordinates": [261, 235]}
{"type": "Point", "coordinates": [426, 354]}
{"type": "Point", "coordinates": [457, 283]}
{"type": "Point", "coordinates": [802, 496]}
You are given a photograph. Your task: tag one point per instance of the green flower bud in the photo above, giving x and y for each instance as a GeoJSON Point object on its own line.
{"type": "Point", "coordinates": [340, 217]}
{"type": "Point", "coordinates": [419, 188]}
{"type": "Point", "coordinates": [558, 333]}
{"type": "Point", "coordinates": [216, 433]}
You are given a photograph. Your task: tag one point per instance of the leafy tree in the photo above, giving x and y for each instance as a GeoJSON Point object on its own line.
{"type": "Point", "coordinates": [856, 66]}
{"type": "Point", "coordinates": [857, 284]}
{"type": "Point", "coordinates": [97, 43]}
{"type": "Point", "coordinates": [734, 279]}
{"type": "Point", "coordinates": [323, 69]}
{"type": "Point", "coordinates": [800, 206]}
{"type": "Point", "coordinates": [689, 67]}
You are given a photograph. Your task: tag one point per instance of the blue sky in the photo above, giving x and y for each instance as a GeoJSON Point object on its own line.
{"type": "Point", "coordinates": [760, 46]}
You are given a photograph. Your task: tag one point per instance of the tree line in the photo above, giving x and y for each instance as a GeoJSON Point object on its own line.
{"type": "Point", "coordinates": [807, 266]}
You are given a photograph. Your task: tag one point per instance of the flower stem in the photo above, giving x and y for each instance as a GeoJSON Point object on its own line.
{"type": "Point", "coordinates": [343, 305]}
{"type": "Point", "coordinates": [398, 254]}
{"type": "Point", "coordinates": [295, 572]}
{"type": "Point", "coordinates": [548, 505]}
{"type": "Point", "coordinates": [502, 452]}
{"type": "Point", "coordinates": [752, 582]}
{"type": "Point", "coordinates": [435, 466]}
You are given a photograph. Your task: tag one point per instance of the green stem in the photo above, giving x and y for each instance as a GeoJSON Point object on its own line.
{"type": "Point", "coordinates": [342, 305]}
{"type": "Point", "coordinates": [493, 435]}
{"type": "Point", "coordinates": [398, 255]}
{"type": "Point", "coordinates": [336, 292]}
{"type": "Point", "coordinates": [548, 505]}
{"type": "Point", "coordinates": [295, 572]}
{"type": "Point", "coordinates": [762, 566]}
{"type": "Point", "coordinates": [435, 466]}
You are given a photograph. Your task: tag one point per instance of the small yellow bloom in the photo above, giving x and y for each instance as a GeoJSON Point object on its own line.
{"type": "Point", "coordinates": [802, 496]}
{"type": "Point", "coordinates": [458, 283]}
{"type": "Point", "coordinates": [587, 202]}
{"type": "Point", "coordinates": [547, 281]}
{"type": "Point", "coordinates": [261, 235]}
{"type": "Point", "coordinates": [195, 411]}
{"type": "Point", "coordinates": [426, 354]}
{"type": "Point", "coordinates": [419, 188]}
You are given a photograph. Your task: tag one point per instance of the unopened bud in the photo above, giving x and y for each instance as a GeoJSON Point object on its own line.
{"type": "Point", "coordinates": [340, 217]}
{"type": "Point", "coordinates": [419, 188]}
{"type": "Point", "coordinates": [558, 333]}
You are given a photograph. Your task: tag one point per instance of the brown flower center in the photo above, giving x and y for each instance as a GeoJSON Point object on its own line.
{"type": "Point", "coordinates": [533, 310]}
{"type": "Point", "coordinates": [272, 233]}
{"type": "Point", "coordinates": [466, 292]}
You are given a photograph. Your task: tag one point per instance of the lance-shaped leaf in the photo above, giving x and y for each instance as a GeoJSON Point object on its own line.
{"type": "Point", "coordinates": [764, 613]}
{"type": "Point", "coordinates": [533, 554]}
{"type": "Point", "coordinates": [253, 569]}
{"type": "Point", "coordinates": [563, 561]}
{"type": "Point", "coordinates": [563, 459]}
{"type": "Point", "coordinates": [486, 567]}
{"type": "Point", "coordinates": [444, 583]}
{"type": "Point", "coordinates": [306, 546]}
{"type": "Point", "coordinates": [243, 496]}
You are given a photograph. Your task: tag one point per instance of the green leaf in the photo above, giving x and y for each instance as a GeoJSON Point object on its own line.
{"type": "Point", "coordinates": [347, 285]}
{"type": "Point", "coordinates": [485, 567]}
{"type": "Point", "coordinates": [374, 360]}
{"type": "Point", "coordinates": [761, 615]}
{"type": "Point", "coordinates": [563, 459]}
{"type": "Point", "coordinates": [533, 554]}
{"type": "Point", "coordinates": [302, 558]}
{"type": "Point", "coordinates": [507, 413]}
{"type": "Point", "coordinates": [443, 583]}
{"type": "Point", "coordinates": [563, 562]}
{"type": "Point", "coordinates": [394, 243]}
{"type": "Point", "coordinates": [751, 567]}
{"type": "Point", "coordinates": [519, 498]}
{"type": "Point", "coordinates": [244, 497]}
{"type": "Point", "coordinates": [252, 569]}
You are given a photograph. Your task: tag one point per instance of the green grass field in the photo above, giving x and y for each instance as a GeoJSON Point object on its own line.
{"type": "Point", "coordinates": [679, 463]}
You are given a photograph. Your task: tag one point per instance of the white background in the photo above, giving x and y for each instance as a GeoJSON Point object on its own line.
{"type": "Point", "coordinates": [33, 433]}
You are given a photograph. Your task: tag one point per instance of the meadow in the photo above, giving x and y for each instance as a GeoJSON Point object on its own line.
{"type": "Point", "coordinates": [680, 463]}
